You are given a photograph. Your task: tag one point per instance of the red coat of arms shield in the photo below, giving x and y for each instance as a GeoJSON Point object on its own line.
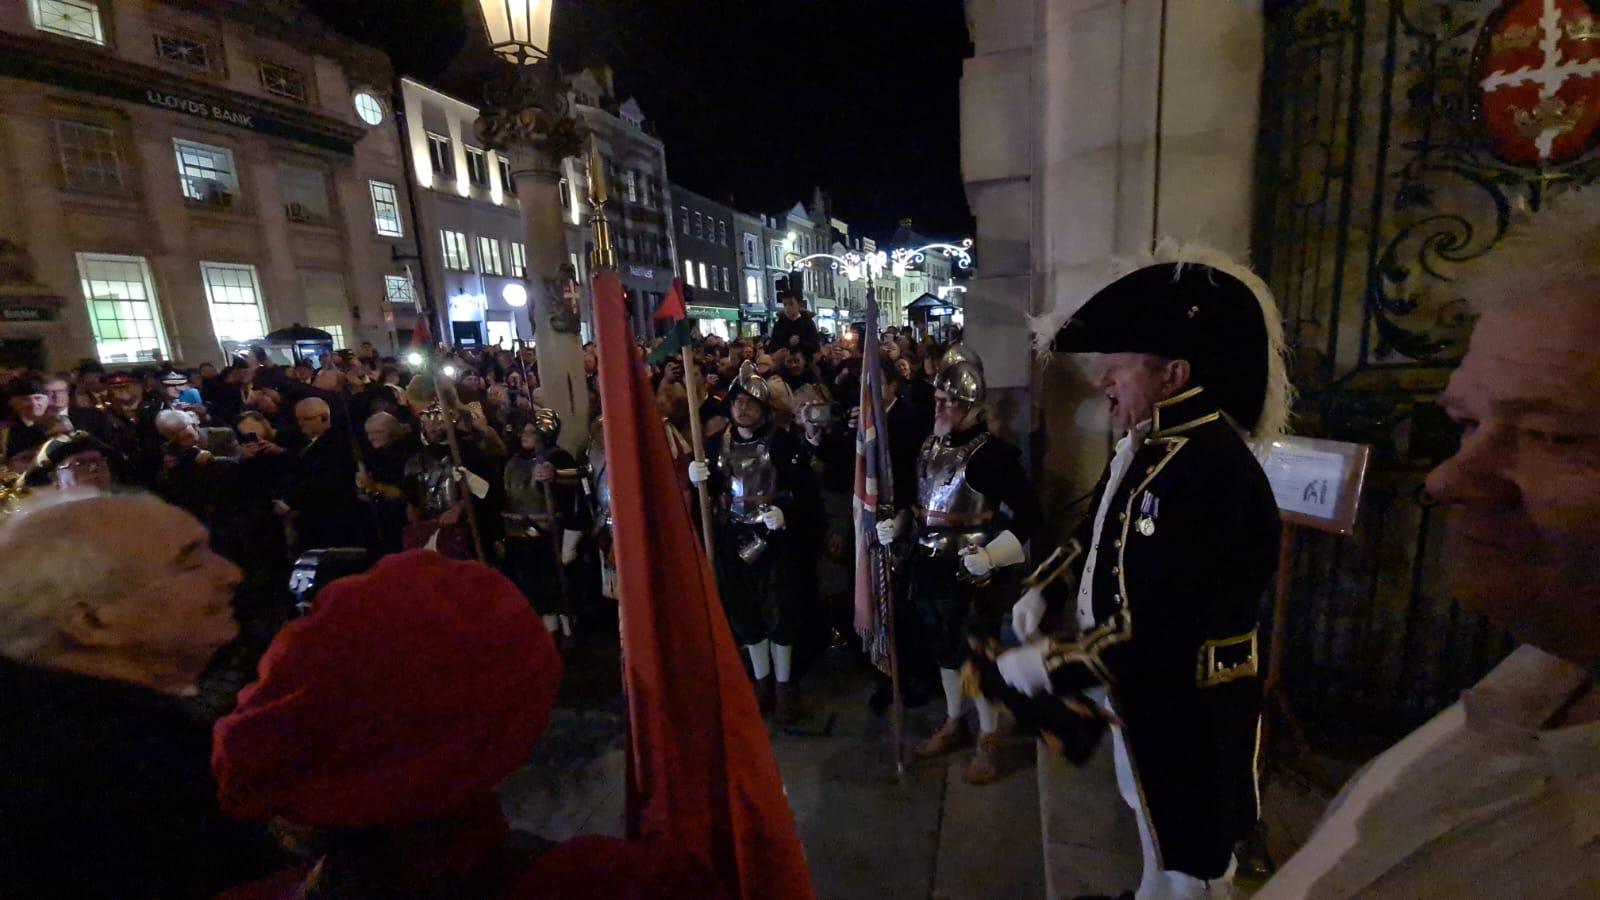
{"type": "Point", "coordinates": [1537, 69]}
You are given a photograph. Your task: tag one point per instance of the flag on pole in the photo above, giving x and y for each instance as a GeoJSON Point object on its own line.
{"type": "Point", "coordinates": [874, 616]}
{"type": "Point", "coordinates": [701, 770]}
{"type": "Point", "coordinates": [674, 308]}
{"type": "Point", "coordinates": [421, 336]}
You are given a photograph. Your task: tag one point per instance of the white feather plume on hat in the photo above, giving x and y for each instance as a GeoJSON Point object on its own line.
{"type": "Point", "coordinates": [1279, 397]}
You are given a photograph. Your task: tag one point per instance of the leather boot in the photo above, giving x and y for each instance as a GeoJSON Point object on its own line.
{"type": "Point", "coordinates": [764, 695]}
{"type": "Point", "coordinates": [953, 735]}
{"type": "Point", "coordinates": [983, 768]}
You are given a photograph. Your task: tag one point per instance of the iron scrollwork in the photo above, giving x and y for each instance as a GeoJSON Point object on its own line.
{"type": "Point", "coordinates": [1456, 155]}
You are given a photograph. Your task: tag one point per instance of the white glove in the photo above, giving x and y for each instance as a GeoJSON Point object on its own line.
{"type": "Point", "coordinates": [1027, 613]}
{"type": "Point", "coordinates": [977, 561]}
{"type": "Point", "coordinates": [476, 485]}
{"type": "Point", "coordinates": [699, 473]}
{"type": "Point", "coordinates": [888, 530]}
{"type": "Point", "coordinates": [772, 517]}
{"type": "Point", "coordinates": [569, 546]}
{"type": "Point", "coordinates": [1004, 550]}
{"type": "Point", "coordinates": [1023, 668]}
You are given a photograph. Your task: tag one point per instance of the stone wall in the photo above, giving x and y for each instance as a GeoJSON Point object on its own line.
{"type": "Point", "coordinates": [1090, 127]}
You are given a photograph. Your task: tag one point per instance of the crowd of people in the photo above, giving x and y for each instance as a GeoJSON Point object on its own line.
{"type": "Point", "coordinates": [378, 726]}
{"type": "Point", "coordinates": [353, 450]}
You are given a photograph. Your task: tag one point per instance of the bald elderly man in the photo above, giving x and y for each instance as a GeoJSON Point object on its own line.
{"type": "Point", "coordinates": [320, 497]}
{"type": "Point", "coordinates": [112, 606]}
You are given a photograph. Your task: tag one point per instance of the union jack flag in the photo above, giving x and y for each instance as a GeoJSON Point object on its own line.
{"type": "Point", "coordinates": [874, 488]}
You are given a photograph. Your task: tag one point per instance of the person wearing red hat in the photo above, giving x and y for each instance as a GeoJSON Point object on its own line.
{"type": "Point", "coordinates": [382, 723]}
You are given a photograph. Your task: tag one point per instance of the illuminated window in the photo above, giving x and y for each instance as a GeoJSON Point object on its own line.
{"type": "Point", "coordinates": [283, 81]}
{"type": "Point", "coordinates": [206, 173]}
{"type": "Point", "coordinates": [235, 298]}
{"type": "Point", "coordinates": [688, 272]}
{"type": "Point", "coordinates": [386, 209]}
{"type": "Point", "coordinates": [489, 256]}
{"type": "Point", "coordinates": [337, 331]}
{"type": "Point", "coordinates": [703, 282]}
{"type": "Point", "coordinates": [397, 289]}
{"type": "Point", "coordinates": [683, 217]}
{"type": "Point", "coordinates": [91, 157]}
{"type": "Point", "coordinates": [456, 257]}
{"type": "Point", "coordinates": [122, 308]}
{"type": "Point", "coordinates": [78, 19]}
{"type": "Point", "coordinates": [519, 259]}
{"type": "Point", "coordinates": [369, 107]}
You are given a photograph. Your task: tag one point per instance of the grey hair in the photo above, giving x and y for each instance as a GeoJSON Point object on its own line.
{"type": "Point", "coordinates": [46, 569]}
{"type": "Point", "coordinates": [1557, 247]}
{"type": "Point", "coordinates": [1279, 400]}
{"type": "Point", "coordinates": [171, 420]}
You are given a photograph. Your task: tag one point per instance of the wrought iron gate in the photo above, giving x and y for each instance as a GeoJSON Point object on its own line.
{"type": "Point", "coordinates": [1379, 180]}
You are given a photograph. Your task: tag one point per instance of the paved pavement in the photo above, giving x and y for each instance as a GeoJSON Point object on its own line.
{"type": "Point", "coordinates": [869, 832]}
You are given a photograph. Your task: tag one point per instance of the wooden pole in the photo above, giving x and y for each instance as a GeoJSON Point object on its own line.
{"type": "Point", "coordinates": [697, 437]}
{"type": "Point", "coordinates": [448, 407]}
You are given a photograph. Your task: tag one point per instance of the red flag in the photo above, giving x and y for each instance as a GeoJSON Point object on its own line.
{"type": "Point", "coordinates": [674, 307]}
{"type": "Point", "coordinates": [701, 768]}
{"type": "Point", "coordinates": [421, 338]}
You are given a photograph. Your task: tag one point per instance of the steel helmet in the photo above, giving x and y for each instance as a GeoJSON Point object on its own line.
{"type": "Point", "coordinates": [753, 384]}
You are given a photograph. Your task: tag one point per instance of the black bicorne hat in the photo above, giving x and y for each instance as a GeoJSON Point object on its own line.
{"type": "Point", "coordinates": [1188, 311]}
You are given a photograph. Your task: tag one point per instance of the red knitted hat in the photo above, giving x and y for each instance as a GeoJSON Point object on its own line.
{"type": "Point", "coordinates": [407, 692]}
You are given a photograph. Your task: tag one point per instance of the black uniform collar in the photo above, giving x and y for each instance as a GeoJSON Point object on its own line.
{"type": "Point", "coordinates": [958, 438]}
{"type": "Point", "coordinates": [1178, 414]}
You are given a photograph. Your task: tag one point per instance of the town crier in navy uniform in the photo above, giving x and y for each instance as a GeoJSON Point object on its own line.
{"type": "Point", "coordinates": [1153, 608]}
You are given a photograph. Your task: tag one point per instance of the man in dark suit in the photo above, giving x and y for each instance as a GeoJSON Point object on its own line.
{"type": "Point", "coordinates": [322, 484]}
{"type": "Point", "coordinates": [1161, 629]}
{"type": "Point", "coordinates": [112, 606]}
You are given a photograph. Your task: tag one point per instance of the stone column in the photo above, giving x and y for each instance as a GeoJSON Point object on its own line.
{"type": "Point", "coordinates": [1089, 128]}
{"type": "Point", "coordinates": [528, 117]}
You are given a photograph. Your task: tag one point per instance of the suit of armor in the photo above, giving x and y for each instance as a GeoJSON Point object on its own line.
{"type": "Point", "coordinates": [754, 564]}
{"type": "Point", "coordinates": [963, 480]}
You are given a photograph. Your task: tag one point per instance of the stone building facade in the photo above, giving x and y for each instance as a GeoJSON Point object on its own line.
{"type": "Point", "coordinates": [179, 177]}
{"type": "Point", "coordinates": [474, 244]}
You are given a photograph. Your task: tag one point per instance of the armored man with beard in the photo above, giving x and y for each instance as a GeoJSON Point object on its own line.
{"type": "Point", "coordinates": [975, 508]}
{"type": "Point", "coordinates": [766, 503]}
{"type": "Point", "coordinates": [1159, 590]}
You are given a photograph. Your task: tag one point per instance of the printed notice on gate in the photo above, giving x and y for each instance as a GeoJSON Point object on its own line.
{"type": "Point", "coordinates": [1316, 482]}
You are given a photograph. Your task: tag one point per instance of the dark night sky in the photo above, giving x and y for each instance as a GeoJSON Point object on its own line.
{"type": "Point", "coordinates": [758, 100]}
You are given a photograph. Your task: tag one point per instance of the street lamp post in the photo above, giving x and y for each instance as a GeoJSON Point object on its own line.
{"type": "Point", "coordinates": [528, 117]}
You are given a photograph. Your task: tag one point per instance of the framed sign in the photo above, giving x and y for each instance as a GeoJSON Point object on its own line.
{"type": "Point", "coordinates": [1316, 482]}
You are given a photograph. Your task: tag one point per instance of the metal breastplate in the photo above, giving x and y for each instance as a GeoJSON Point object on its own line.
{"type": "Point", "coordinates": [951, 513]}
{"type": "Point", "coordinates": [751, 476]}
{"type": "Point", "coordinates": [440, 491]}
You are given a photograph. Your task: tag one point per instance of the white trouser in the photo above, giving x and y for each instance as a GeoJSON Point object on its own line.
{"type": "Point", "coordinates": [1158, 883]}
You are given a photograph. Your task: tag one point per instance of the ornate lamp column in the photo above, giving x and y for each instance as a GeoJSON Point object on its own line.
{"type": "Point", "coordinates": [528, 117]}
